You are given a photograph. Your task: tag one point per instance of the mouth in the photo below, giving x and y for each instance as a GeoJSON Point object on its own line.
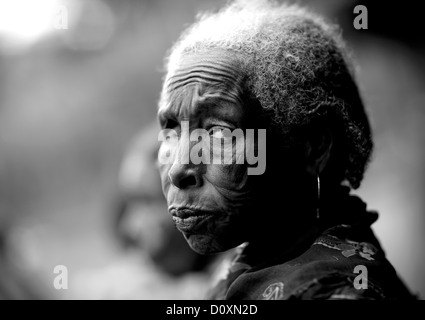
{"type": "Point", "coordinates": [188, 220]}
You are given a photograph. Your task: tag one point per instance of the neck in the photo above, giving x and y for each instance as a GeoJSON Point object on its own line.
{"type": "Point", "coordinates": [287, 231]}
{"type": "Point", "coordinates": [280, 245]}
{"type": "Point", "coordinates": [282, 233]}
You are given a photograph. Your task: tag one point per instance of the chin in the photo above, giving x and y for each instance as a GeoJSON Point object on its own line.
{"type": "Point", "coordinates": [205, 244]}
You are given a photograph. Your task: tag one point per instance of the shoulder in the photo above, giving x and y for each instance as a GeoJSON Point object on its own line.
{"type": "Point", "coordinates": [338, 265]}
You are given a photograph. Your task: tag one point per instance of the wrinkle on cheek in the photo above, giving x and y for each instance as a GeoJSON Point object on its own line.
{"type": "Point", "coordinates": [232, 177]}
{"type": "Point", "coordinates": [163, 173]}
{"type": "Point", "coordinates": [230, 194]}
{"type": "Point", "coordinates": [220, 225]}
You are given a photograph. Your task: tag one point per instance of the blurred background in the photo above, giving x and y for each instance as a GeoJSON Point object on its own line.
{"type": "Point", "coordinates": [78, 185]}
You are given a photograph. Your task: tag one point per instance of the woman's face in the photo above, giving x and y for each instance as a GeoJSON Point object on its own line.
{"type": "Point", "coordinates": [211, 204]}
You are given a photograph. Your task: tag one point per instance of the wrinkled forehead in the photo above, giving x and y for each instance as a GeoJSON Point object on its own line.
{"type": "Point", "coordinates": [217, 74]}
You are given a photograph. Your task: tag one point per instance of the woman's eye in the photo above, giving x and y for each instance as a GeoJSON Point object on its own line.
{"type": "Point", "coordinates": [218, 134]}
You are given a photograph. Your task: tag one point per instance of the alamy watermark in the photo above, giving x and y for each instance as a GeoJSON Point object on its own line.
{"type": "Point", "coordinates": [60, 282]}
{"type": "Point", "coordinates": [219, 146]}
{"type": "Point", "coordinates": [361, 20]}
{"type": "Point", "coordinates": [360, 281]}
{"type": "Point", "coordinates": [60, 18]}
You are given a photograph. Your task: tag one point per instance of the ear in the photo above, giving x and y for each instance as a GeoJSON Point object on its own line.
{"type": "Point", "coordinates": [318, 151]}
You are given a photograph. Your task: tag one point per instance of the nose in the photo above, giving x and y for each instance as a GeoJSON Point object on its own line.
{"type": "Point", "coordinates": [184, 176]}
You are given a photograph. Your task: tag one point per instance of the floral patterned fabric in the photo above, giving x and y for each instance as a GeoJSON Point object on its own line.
{"type": "Point", "coordinates": [328, 269]}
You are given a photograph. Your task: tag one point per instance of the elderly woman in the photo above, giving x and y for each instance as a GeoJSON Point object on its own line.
{"type": "Point", "coordinates": [260, 65]}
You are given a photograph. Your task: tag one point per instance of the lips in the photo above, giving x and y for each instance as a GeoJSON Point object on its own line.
{"type": "Point", "coordinates": [187, 220]}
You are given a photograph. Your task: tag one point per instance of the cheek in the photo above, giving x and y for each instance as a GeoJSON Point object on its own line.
{"type": "Point", "coordinates": [230, 171]}
{"type": "Point", "coordinates": [163, 168]}
{"type": "Point", "coordinates": [165, 182]}
{"type": "Point", "coordinates": [231, 177]}
{"type": "Point", "coordinates": [167, 151]}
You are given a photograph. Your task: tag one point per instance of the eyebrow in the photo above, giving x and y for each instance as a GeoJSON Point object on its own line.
{"type": "Point", "coordinates": [225, 112]}
{"type": "Point", "coordinates": [220, 96]}
{"type": "Point", "coordinates": [164, 114]}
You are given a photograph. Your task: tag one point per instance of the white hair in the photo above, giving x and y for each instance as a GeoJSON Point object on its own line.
{"type": "Point", "coordinates": [297, 67]}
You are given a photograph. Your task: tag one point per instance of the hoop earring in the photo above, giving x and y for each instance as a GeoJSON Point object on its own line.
{"type": "Point", "coordinates": [318, 198]}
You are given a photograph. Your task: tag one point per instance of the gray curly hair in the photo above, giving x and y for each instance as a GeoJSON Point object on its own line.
{"type": "Point", "coordinates": [298, 69]}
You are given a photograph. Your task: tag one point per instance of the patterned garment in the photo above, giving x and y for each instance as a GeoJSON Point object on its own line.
{"type": "Point", "coordinates": [344, 262]}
